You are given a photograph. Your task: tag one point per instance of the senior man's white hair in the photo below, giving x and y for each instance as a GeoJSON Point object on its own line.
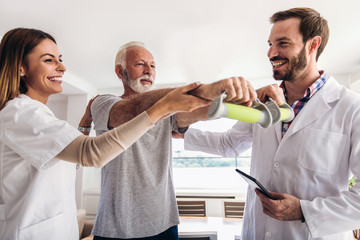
{"type": "Point", "coordinates": [121, 54]}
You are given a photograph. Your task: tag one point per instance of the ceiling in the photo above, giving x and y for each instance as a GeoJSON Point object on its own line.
{"type": "Point", "coordinates": [191, 40]}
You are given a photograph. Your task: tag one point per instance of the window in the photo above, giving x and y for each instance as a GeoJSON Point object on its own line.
{"type": "Point", "coordinates": [197, 172]}
{"type": "Point", "coordinates": [201, 172]}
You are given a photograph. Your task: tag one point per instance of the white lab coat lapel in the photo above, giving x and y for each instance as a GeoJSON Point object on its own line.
{"type": "Point", "coordinates": [278, 131]}
{"type": "Point", "coordinates": [314, 108]}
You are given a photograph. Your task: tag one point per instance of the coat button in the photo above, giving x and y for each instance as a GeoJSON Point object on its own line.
{"type": "Point", "coordinates": [276, 165]}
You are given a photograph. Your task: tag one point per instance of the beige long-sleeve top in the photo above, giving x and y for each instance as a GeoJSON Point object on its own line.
{"type": "Point", "coordinates": [97, 151]}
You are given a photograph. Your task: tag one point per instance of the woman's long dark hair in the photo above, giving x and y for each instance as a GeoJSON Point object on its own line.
{"type": "Point", "coordinates": [14, 47]}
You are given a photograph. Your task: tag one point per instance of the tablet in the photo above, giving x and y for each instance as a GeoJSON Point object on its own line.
{"type": "Point", "coordinates": [255, 183]}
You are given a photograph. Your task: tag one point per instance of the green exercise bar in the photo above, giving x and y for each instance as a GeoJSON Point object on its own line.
{"type": "Point", "coordinates": [242, 113]}
{"type": "Point", "coordinates": [286, 114]}
{"type": "Point", "coordinates": [263, 114]}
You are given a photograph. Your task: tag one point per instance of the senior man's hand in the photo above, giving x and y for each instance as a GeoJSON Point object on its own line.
{"type": "Point", "coordinates": [238, 90]}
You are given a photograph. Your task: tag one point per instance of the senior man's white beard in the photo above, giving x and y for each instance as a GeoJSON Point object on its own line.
{"type": "Point", "coordinates": [137, 86]}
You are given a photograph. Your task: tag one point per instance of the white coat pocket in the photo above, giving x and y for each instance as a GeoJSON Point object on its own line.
{"type": "Point", "coordinates": [52, 228]}
{"type": "Point", "coordinates": [321, 150]}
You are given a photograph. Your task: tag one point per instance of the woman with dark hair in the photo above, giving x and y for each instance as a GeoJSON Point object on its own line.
{"type": "Point", "coordinates": [38, 151]}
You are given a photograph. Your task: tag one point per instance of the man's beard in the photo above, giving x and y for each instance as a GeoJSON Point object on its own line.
{"type": "Point", "coordinates": [136, 84]}
{"type": "Point", "coordinates": [296, 64]}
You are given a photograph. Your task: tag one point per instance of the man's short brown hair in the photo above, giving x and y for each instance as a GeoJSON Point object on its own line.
{"type": "Point", "coordinates": [311, 24]}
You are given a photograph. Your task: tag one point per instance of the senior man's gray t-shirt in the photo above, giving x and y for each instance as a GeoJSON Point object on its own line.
{"type": "Point", "coordinates": [137, 193]}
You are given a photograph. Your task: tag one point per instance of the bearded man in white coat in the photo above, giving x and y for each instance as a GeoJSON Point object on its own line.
{"type": "Point", "coordinates": [306, 163]}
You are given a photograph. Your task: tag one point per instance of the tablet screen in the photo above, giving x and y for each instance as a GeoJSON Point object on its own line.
{"type": "Point", "coordinates": [254, 183]}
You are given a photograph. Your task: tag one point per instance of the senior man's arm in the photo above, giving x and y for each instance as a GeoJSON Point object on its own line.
{"type": "Point", "coordinates": [238, 91]}
{"type": "Point", "coordinates": [128, 108]}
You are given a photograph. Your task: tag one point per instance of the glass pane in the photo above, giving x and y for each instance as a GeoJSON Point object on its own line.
{"type": "Point", "coordinates": [197, 159]}
{"type": "Point", "coordinates": [196, 172]}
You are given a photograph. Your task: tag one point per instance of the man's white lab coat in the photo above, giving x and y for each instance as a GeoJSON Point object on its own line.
{"type": "Point", "coordinates": [313, 161]}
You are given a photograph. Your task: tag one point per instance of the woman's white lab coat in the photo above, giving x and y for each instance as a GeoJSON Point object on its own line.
{"type": "Point", "coordinates": [313, 161]}
{"type": "Point", "coordinates": [37, 195]}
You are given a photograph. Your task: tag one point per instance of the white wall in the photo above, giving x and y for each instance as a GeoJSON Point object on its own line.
{"type": "Point", "coordinates": [59, 105]}
{"type": "Point", "coordinates": [71, 108]}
